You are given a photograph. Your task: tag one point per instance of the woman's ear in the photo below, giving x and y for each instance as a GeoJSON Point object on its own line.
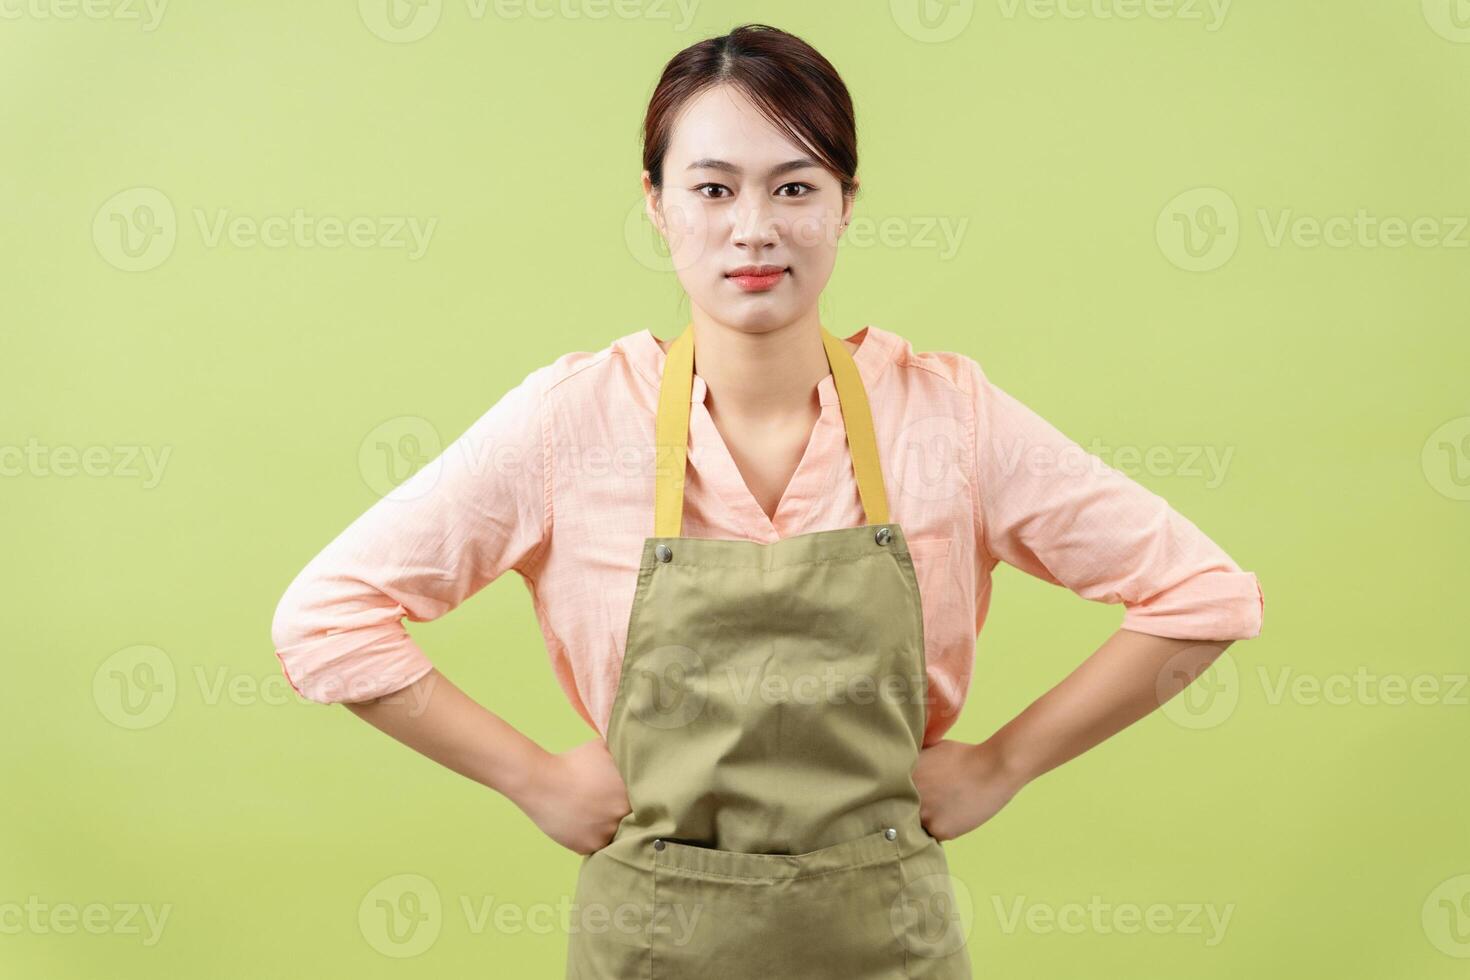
{"type": "Point", "coordinates": [650, 204]}
{"type": "Point", "coordinates": [848, 201]}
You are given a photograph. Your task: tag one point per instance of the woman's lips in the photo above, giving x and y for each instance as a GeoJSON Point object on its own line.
{"type": "Point", "coordinates": [756, 284]}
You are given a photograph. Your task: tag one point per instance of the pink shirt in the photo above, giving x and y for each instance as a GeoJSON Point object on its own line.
{"type": "Point", "coordinates": [555, 481]}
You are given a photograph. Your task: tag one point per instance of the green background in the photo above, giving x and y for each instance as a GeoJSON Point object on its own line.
{"type": "Point", "coordinates": [1330, 827]}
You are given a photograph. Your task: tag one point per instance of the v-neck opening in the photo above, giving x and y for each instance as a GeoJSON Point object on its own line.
{"type": "Point", "coordinates": [734, 488]}
{"type": "Point", "coordinates": [731, 485]}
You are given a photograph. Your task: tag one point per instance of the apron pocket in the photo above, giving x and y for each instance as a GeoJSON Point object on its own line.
{"type": "Point", "coordinates": [732, 915]}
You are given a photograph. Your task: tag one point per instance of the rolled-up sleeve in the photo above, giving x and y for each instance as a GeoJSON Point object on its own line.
{"type": "Point", "coordinates": [1059, 513]}
{"type": "Point", "coordinates": [463, 519]}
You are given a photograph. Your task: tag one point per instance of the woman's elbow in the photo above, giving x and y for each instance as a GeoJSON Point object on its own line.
{"type": "Point", "coordinates": [343, 653]}
{"type": "Point", "coordinates": [297, 647]}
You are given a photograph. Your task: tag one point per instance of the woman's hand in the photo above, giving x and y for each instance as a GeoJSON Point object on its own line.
{"type": "Point", "coordinates": [961, 786]}
{"type": "Point", "coordinates": [577, 797]}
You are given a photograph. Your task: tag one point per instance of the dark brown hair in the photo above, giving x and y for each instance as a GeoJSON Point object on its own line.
{"type": "Point", "coordinates": [791, 84]}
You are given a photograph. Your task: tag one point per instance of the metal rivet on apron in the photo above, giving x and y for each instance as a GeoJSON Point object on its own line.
{"type": "Point", "coordinates": [890, 833]}
{"type": "Point", "coordinates": [883, 535]}
{"type": "Point", "coordinates": [658, 845]}
{"type": "Point", "coordinates": [663, 552]}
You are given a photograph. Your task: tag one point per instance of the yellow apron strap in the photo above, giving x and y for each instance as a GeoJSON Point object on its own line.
{"type": "Point", "coordinates": [672, 439]}
{"type": "Point", "coordinates": [857, 418]}
{"type": "Point", "coordinates": [672, 433]}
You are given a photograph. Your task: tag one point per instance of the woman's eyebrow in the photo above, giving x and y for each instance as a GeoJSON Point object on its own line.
{"type": "Point", "coordinates": [710, 163]}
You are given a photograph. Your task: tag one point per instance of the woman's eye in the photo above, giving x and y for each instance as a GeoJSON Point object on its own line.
{"type": "Point", "coordinates": [718, 191]}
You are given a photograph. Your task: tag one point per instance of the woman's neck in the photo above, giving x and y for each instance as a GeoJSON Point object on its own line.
{"type": "Point", "coordinates": [764, 376]}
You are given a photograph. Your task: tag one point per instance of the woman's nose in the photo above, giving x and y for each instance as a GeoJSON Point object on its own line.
{"type": "Point", "coordinates": [754, 224]}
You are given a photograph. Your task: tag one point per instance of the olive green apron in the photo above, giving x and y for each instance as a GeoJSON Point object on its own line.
{"type": "Point", "coordinates": [767, 721]}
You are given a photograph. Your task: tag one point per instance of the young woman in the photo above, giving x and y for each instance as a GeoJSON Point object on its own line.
{"type": "Point", "coordinates": [750, 583]}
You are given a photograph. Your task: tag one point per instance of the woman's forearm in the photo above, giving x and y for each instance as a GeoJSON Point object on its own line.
{"type": "Point", "coordinates": [1130, 675]}
{"type": "Point", "coordinates": [437, 719]}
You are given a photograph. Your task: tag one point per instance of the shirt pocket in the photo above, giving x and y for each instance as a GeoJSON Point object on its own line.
{"type": "Point", "coordinates": [931, 558]}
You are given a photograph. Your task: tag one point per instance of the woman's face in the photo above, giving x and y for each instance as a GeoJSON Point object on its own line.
{"type": "Point", "coordinates": [737, 195]}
